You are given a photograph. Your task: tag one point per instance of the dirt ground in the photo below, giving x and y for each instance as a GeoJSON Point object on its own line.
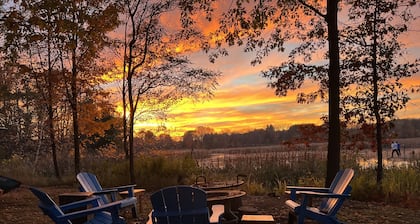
{"type": "Point", "coordinates": [20, 206]}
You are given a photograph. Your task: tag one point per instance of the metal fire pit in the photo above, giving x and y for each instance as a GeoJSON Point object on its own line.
{"type": "Point", "coordinates": [201, 182]}
{"type": "Point", "coordinates": [231, 199]}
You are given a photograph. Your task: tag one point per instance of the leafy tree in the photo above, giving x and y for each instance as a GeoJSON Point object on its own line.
{"type": "Point", "coordinates": [57, 44]}
{"type": "Point", "coordinates": [42, 23]}
{"type": "Point", "coordinates": [199, 134]}
{"type": "Point", "coordinates": [189, 139]}
{"type": "Point", "coordinates": [29, 37]}
{"type": "Point", "coordinates": [83, 28]}
{"type": "Point", "coordinates": [373, 65]}
{"type": "Point", "coordinates": [156, 75]}
{"type": "Point", "coordinates": [6, 108]}
{"type": "Point", "coordinates": [270, 134]}
{"type": "Point", "coordinates": [165, 141]}
{"type": "Point", "coordinates": [265, 25]}
{"type": "Point", "coordinates": [99, 127]}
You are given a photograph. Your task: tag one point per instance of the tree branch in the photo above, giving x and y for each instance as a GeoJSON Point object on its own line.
{"type": "Point", "coordinates": [315, 10]}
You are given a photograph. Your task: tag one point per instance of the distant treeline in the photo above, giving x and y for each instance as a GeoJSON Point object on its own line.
{"type": "Point", "coordinates": [302, 133]}
{"type": "Point", "coordinates": [407, 128]}
{"type": "Point", "coordinates": [297, 134]}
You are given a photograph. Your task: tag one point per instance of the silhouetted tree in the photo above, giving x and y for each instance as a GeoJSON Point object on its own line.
{"type": "Point", "coordinates": [189, 140]}
{"type": "Point", "coordinates": [31, 40]}
{"type": "Point", "coordinates": [58, 44]}
{"type": "Point", "coordinates": [373, 65]}
{"type": "Point", "coordinates": [156, 75]}
{"type": "Point", "coordinates": [264, 26]}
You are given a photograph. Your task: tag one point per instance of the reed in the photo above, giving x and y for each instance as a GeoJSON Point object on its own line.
{"type": "Point", "coordinates": [268, 171]}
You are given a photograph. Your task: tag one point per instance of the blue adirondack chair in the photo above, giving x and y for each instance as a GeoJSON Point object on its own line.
{"type": "Point", "coordinates": [106, 214]}
{"type": "Point", "coordinates": [7, 184]}
{"type": "Point", "coordinates": [181, 205]}
{"type": "Point", "coordinates": [89, 183]}
{"type": "Point", "coordinates": [333, 198]}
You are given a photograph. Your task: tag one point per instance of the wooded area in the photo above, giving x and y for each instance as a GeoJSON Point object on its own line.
{"type": "Point", "coordinates": [298, 134]}
{"type": "Point", "coordinates": [57, 57]}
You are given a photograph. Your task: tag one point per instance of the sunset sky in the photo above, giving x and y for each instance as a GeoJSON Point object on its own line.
{"type": "Point", "coordinates": [243, 102]}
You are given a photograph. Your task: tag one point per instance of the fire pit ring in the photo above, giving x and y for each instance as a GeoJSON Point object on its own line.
{"type": "Point", "coordinates": [231, 199]}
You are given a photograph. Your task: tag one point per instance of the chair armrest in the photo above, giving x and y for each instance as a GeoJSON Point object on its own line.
{"type": "Point", "coordinates": [121, 188]}
{"type": "Point", "coordinates": [82, 203]}
{"type": "Point", "coordinates": [111, 207]}
{"type": "Point", "coordinates": [109, 191]}
{"type": "Point", "coordinates": [307, 195]}
{"type": "Point", "coordinates": [323, 195]}
{"type": "Point", "coordinates": [126, 187]}
{"type": "Point", "coordinates": [129, 188]}
{"type": "Point", "coordinates": [293, 189]}
{"type": "Point", "coordinates": [299, 188]}
{"type": "Point", "coordinates": [105, 191]}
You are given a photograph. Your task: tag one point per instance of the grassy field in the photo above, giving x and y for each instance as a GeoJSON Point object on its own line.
{"type": "Point", "coordinates": [268, 170]}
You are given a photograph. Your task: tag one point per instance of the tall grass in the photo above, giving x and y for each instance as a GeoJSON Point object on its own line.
{"type": "Point", "coordinates": [151, 171]}
{"type": "Point", "coordinates": [266, 172]}
{"type": "Point", "coordinates": [398, 184]}
{"type": "Point", "coordinates": [23, 169]}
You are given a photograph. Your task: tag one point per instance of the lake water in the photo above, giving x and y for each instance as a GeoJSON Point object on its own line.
{"type": "Point", "coordinates": [365, 158]}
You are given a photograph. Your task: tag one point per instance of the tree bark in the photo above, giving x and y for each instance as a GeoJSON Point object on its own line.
{"type": "Point", "coordinates": [379, 170]}
{"type": "Point", "coordinates": [333, 157]}
{"type": "Point", "coordinates": [50, 109]}
{"type": "Point", "coordinates": [74, 107]}
{"type": "Point", "coordinates": [131, 129]}
{"type": "Point", "coordinates": [52, 138]}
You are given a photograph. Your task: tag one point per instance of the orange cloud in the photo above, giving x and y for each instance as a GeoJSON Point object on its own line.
{"type": "Point", "coordinates": [243, 102]}
{"type": "Point", "coordinates": [244, 108]}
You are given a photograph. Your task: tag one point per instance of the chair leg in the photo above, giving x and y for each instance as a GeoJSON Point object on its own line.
{"type": "Point", "coordinates": [134, 211]}
{"type": "Point", "coordinates": [292, 218]}
{"type": "Point", "coordinates": [300, 218]}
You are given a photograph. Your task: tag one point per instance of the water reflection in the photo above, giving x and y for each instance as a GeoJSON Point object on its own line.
{"type": "Point", "coordinates": [387, 163]}
{"type": "Point", "coordinates": [258, 158]}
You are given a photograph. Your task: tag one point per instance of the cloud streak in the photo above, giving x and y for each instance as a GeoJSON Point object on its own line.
{"type": "Point", "coordinates": [243, 101]}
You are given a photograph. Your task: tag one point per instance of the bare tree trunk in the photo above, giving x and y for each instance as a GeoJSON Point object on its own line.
{"type": "Point", "coordinates": [39, 144]}
{"type": "Point", "coordinates": [52, 139]}
{"type": "Point", "coordinates": [379, 171]}
{"type": "Point", "coordinates": [131, 129]}
{"type": "Point", "coordinates": [51, 133]}
{"type": "Point", "coordinates": [74, 108]}
{"type": "Point", "coordinates": [333, 157]}
{"type": "Point", "coordinates": [50, 110]}
{"type": "Point", "coordinates": [131, 101]}
{"type": "Point", "coordinates": [132, 111]}
{"type": "Point", "coordinates": [124, 96]}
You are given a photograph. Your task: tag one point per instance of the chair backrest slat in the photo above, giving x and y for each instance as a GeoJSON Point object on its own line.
{"type": "Point", "coordinates": [48, 206]}
{"type": "Point", "coordinates": [338, 186]}
{"type": "Point", "coordinates": [90, 183]}
{"type": "Point", "coordinates": [182, 204]}
{"type": "Point", "coordinates": [336, 180]}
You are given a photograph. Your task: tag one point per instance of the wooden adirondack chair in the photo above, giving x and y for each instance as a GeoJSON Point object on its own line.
{"type": "Point", "coordinates": [90, 183]}
{"type": "Point", "coordinates": [181, 205]}
{"type": "Point", "coordinates": [105, 214]}
{"type": "Point", "coordinates": [333, 196]}
{"type": "Point", "coordinates": [7, 184]}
